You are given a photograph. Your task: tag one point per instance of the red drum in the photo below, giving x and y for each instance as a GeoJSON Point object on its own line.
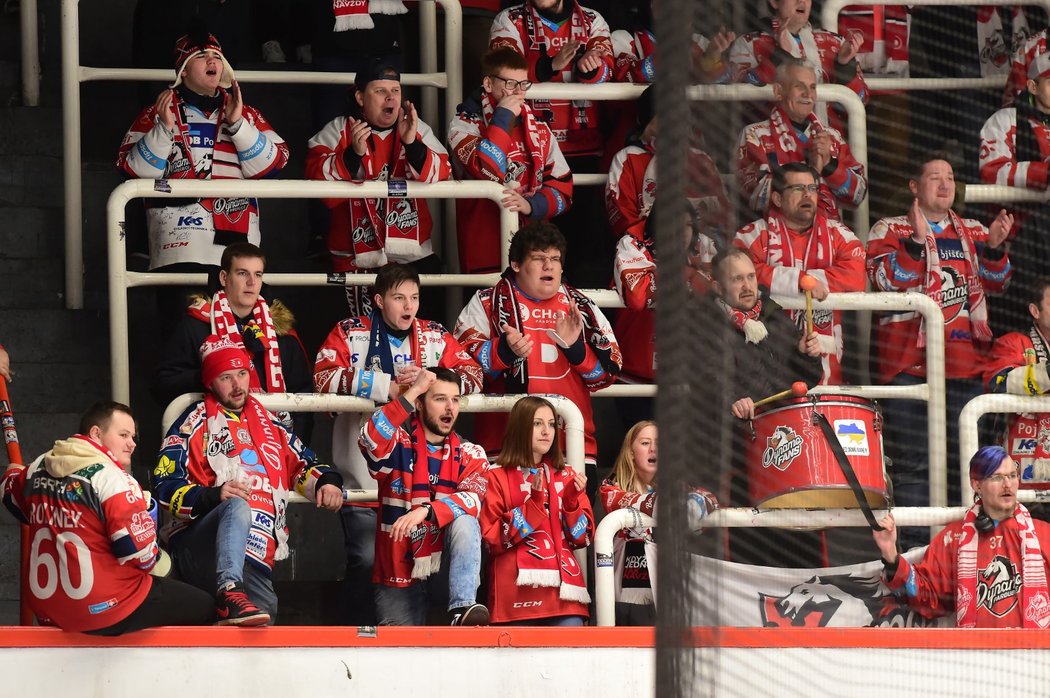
{"type": "Point", "coordinates": [791, 465]}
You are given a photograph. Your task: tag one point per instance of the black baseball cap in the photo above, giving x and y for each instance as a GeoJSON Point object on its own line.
{"type": "Point", "coordinates": [377, 69]}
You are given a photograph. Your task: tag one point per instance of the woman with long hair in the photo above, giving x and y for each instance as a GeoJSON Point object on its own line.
{"type": "Point", "coordinates": [535, 513]}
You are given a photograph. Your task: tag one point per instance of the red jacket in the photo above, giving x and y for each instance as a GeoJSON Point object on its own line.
{"type": "Point", "coordinates": [507, 600]}
{"type": "Point", "coordinates": [574, 123]}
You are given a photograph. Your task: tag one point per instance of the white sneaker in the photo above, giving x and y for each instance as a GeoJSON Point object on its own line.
{"type": "Point", "coordinates": [272, 52]}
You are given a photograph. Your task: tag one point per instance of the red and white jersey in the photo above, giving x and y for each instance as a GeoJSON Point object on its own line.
{"type": "Point", "coordinates": [549, 370]}
{"type": "Point", "coordinates": [1022, 58]}
{"type": "Point", "coordinates": [760, 149]}
{"type": "Point", "coordinates": [368, 233]}
{"type": "Point", "coordinates": [202, 146]}
{"type": "Point", "coordinates": [887, 55]}
{"type": "Point", "coordinates": [92, 542]}
{"type": "Point", "coordinates": [630, 190]}
{"type": "Point", "coordinates": [930, 586]}
{"type": "Point", "coordinates": [574, 123]}
{"type": "Point", "coordinates": [1000, 163]}
{"type": "Point", "coordinates": [892, 268]}
{"type": "Point", "coordinates": [829, 252]}
{"type": "Point", "coordinates": [345, 366]}
{"type": "Point", "coordinates": [633, 56]}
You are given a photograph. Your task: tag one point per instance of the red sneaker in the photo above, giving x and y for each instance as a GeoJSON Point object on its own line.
{"type": "Point", "coordinates": [232, 607]}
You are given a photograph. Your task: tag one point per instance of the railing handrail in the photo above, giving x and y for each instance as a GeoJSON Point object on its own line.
{"type": "Point", "coordinates": [146, 188]}
{"type": "Point", "coordinates": [969, 437]}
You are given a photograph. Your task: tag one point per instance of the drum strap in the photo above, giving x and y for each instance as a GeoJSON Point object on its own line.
{"type": "Point", "coordinates": [847, 469]}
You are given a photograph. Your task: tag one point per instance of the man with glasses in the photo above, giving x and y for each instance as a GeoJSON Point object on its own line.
{"type": "Point", "coordinates": [532, 333]}
{"type": "Point", "coordinates": [495, 136]}
{"type": "Point", "coordinates": [956, 262]}
{"type": "Point", "coordinates": [797, 240]}
{"type": "Point", "coordinates": [794, 133]}
{"type": "Point", "coordinates": [990, 568]}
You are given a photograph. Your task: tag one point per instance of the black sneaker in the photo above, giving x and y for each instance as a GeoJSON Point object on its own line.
{"type": "Point", "coordinates": [232, 607]}
{"type": "Point", "coordinates": [476, 614]}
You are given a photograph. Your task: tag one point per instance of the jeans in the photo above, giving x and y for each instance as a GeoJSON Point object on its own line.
{"type": "Point", "coordinates": [460, 573]}
{"type": "Point", "coordinates": [210, 554]}
{"type": "Point", "coordinates": [359, 541]}
{"type": "Point", "coordinates": [906, 433]}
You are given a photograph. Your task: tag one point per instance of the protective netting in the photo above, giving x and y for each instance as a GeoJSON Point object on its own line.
{"type": "Point", "coordinates": [700, 373]}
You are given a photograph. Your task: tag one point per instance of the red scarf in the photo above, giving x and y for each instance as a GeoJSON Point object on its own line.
{"type": "Point", "coordinates": [785, 145]}
{"type": "Point", "coordinates": [231, 215]}
{"type": "Point", "coordinates": [354, 14]}
{"type": "Point", "coordinates": [393, 218]}
{"type": "Point", "coordinates": [420, 556]}
{"type": "Point", "coordinates": [544, 559]}
{"type": "Point", "coordinates": [579, 29]}
{"type": "Point", "coordinates": [747, 321]}
{"type": "Point", "coordinates": [978, 308]}
{"type": "Point", "coordinates": [1035, 599]}
{"type": "Point", "coordinates": [224, 324]}
{"type": "Point", "coordinates": [533, 147]}
{"type": "Point", "coordinates": [227, 464]}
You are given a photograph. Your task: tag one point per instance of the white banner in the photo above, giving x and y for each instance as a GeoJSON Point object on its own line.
{"type": "Point", "coordinates": [749, 596]}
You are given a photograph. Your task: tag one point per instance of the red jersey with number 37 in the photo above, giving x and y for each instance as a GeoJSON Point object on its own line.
{"type": "Point", "coordinates": [92, 540]}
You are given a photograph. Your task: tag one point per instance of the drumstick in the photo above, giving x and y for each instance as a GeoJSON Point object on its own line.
{"type": "Point", "coordinates": [797, 389]}
{"type": "Point", "coordinates": [808, 283]}
{"type": "Point", "coordinates": [7, 419]}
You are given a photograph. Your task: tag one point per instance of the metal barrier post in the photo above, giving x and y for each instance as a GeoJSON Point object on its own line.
{"type": "Point", "coordinates": [30, 53]}
{"type": "Point", "coordinates": [71, 179]}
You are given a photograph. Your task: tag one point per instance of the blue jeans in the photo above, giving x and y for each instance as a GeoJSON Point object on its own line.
{"type": "Point", "coordinates": [552, 622]}
{"type": "Point", "coordinates": [359, 541]}
{"type": "Point", "coordinates": [210, 554]}
{"type": "Point", "coordinates": [906, 433]}
{"type": "Point", "coordinates": [460, 573]}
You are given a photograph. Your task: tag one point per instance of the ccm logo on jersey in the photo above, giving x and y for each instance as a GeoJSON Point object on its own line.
{"type": "Point", "coordinates": [527, 604]}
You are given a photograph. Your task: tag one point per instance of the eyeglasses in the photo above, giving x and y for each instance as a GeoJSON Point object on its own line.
{"type": "Point", "coordinates": [999, 478]}
{"type": "Point", "coordinates": [513, 85]}
{"type": "Point", "coordinates": [800, 188]}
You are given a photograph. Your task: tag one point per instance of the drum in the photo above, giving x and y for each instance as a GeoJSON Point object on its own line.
{"type": "Point", "coordinates": [792, 466]}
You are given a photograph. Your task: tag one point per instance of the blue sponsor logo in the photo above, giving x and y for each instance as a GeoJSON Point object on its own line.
{"type": "Point", "coordinates": [456, 509]}
{"type": "Point", "coordinates": [383, 425]}
{"type": "Point", "coordinates": [102, 606]}
{"type": "Point", "coordinates": [580, 527]}
{"type": "Point", "coordinates": [397, 486]}
{"type": "Point", "coordinates": [520, 523]}
{"type": "Point", "coordinates": [191, 221]}
{"type": "Point", "coordinates": [959, 336]}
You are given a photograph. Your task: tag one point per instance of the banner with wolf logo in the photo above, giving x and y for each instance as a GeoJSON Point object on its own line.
{"type": "Point", "coordinates": [749, 596]}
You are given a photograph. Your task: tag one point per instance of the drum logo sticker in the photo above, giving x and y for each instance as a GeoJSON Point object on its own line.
{"type": "Point", "coordinates": [853, 435]}
{"type": "Point", "coordinates": [783, 447]}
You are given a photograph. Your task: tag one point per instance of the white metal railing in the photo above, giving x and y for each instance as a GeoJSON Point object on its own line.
{"type": "Point", "coordinates": [315, 402]}
{"type": "Point", "coordinates": [999, 194]}
{"type": "Point", "coordinates": [30, 52]}
{"type": "Point", "coordinates": [73, 74]}
{"type": "Point", "coordinates": [120, 279]}
{"type": "Point", "coordinates": [969, 441]}
{"type": "Point", "coordinates": [615, 521]}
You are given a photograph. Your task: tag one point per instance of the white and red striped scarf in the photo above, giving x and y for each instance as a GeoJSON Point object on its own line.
{"type": "Point", "coordinates": [1035, 599]}
{"type": "Point", "coordinates": [747, 321]}
{"type": "Point", "coordinates": [545, 560]}
{"type": "Point", "coordinates": [356, 14]}
{"type": "Point", "coordinates": [978, 307]}
{"type": "Point", "coordinates": [579, 29]}
{"type": "Point", "coordinates": [533, 147]}
{"type": "Point", "coordinates": [224, 324]}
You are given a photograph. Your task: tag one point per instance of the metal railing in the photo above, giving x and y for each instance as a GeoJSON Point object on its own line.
{"type": "Point", "coordinates": [615, 521]}
{"type": "Point", "coordinates": [73, 74]}
{"type": "Point", "coordinates": [969, 438]}
{"type": "Point", "coordinates": [120, 279]}
{"type": "Point", "coordinates": [316, 402]}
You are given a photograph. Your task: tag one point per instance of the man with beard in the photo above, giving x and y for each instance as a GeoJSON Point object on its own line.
{"type": "Point", "coordinates": [956, 262]}
{"type": "Point", "coordinates": [765, 355]}
{"type": "Point", "coordinates": [794, 133]}
{"type": "Point", "coordinates": [990, 568]}
{"type": "Point", "coordinates": [224, 474]}
{"type": "Point", "coordinates": [381, 140]}
{"type": "Point", "coordinates": [431, 483]}
{"type": "Point", "coordinates": [1015, 146]}
{"type": "Point", "coordinates": [797, 240]}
